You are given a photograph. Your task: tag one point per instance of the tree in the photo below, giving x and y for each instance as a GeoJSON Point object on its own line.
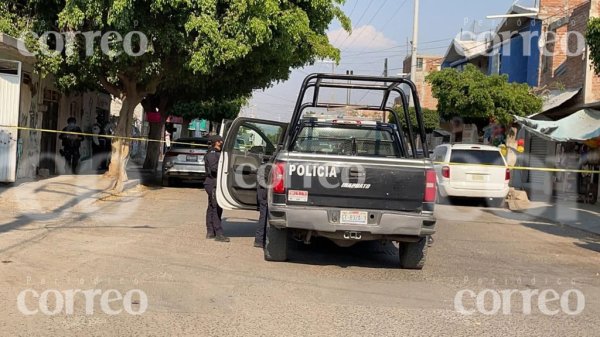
{"type": "Point", "coordinates": [472, 94]}
{"type": "Point", "coordinates": [431, 118]}
{"type": "Point", "coordinates": [212, 110]}
{"type": "Point", "coordinates": [181, 39]}
{"type": "Point", "coordinates": [592, 37]}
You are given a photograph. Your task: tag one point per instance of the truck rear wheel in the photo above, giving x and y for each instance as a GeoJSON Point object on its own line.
{"type": "Point", "coordinates": [413, 254]}
{"type": "Point", "coordinates": [276, 244]}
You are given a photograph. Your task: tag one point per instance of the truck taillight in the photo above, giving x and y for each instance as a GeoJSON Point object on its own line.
{"type": "Point", "coordinates": [446, 172]}
{"type": "Point", "coordinates": [507, 175]}
{"type": "Point", "coordinates": [278, 178]}
{"type": "Point", "coordinates": [430, 186]}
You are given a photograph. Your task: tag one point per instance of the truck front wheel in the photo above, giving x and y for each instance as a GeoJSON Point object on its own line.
{"type": "Point", "coordinates": [413, 254]}
{"type": "Point", "coordinates": [276, 244]}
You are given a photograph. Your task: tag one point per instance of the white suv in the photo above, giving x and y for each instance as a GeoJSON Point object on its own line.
{"type": "Point", "coordinates": [471, 170]}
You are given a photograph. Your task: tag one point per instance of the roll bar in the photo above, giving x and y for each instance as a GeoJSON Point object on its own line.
{"type": "Point", "coordinates": [387, 85]}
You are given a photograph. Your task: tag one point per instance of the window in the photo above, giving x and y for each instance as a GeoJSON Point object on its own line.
{"type": "Point", "coordinates": [548, 51]}
{"type": "Point", "coordinates": [346, 141]}
{"type": "Point", "coordinates": [258, 138]}
{"type": "Point", "coordinates": [9, 67]}
{"type": "Point", "coordinates": [202, 142]}
{"type": "Point", "coordinates": [420, 63]}
{"type": "Point", "coordinates": [439, 155]}
{"type": "Point", "coordinates": [477, 157]}
{"type": "Point", "coordinates": [496, 62]}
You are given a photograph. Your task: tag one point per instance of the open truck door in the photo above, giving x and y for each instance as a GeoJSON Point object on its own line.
{"type": "Point", "coordinates": [248, 144]}
{"type": "Point", "coordinates": [10, 100]}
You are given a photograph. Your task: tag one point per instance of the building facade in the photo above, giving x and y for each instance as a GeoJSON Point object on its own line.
{"type": "Point", "coordinates": [543, 47]}
{"type": "Point", "coordinates": [426, 64]}
{"type": "Point", "coordinates": [39, 105]}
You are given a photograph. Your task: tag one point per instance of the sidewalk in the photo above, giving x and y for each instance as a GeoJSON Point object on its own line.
{"type": "Point", "coordinates": [54, 199]}
{"type": "Point", "coordinates": [568, 213]}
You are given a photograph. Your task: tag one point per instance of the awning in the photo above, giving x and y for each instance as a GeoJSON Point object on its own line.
{"type": "Point", "coordinates": [581, 126]}
{"type": "Point", "coordinates": [555, 98]}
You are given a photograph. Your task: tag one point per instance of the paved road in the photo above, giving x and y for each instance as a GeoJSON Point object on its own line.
{"type": "Point", "coordinates": [153, 240]}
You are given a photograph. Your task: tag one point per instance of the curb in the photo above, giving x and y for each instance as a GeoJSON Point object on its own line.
{"type": "Point", "coordinates": [131, 183]}
{"type": "Point", "coordinates": [557, 223]}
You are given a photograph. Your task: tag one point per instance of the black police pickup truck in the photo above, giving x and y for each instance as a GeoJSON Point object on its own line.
{"type": "Point", "coordinates": [345, 178]}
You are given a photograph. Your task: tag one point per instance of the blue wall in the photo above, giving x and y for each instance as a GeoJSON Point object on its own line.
{"type": "Point", "coordinates": [519, 67]}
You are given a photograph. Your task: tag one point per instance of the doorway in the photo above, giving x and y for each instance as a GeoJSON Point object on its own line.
{"type": "Point", "coordinates": [49, 139]}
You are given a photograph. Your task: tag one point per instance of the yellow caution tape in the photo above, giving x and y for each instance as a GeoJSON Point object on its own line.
{"type": "Point", "coordinates": [519, 168]}
{"type": "Point", "coordinates": [138, 139]}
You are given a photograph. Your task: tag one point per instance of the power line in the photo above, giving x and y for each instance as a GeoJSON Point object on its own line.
{"type": "Point", "coordinates": [389, 20]}
{"type": "Point", "coordinates": [369, 22]}
{"type": "Point", "coordinates": [358, 22]}
{"type": "Point", "coordinates": [393, 15]}
{"type": "Point", "coordinates": [349, 15]}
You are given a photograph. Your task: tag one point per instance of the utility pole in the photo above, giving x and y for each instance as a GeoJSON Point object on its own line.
{"type": "Point", "coordinates": [385, 74]}
{"type": "Point", "coordinates": [348, 72]}
{"type": "Point", "coordinates": [415, 41]}
{"type": "Point", "coordinates": [385, 68]}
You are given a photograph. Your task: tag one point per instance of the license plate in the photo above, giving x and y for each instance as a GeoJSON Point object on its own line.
{"type": "Point", "coordinates": [353, 217]}
{"type": "Point", "coordinates": [191, 158]}
{"type": "Point", "coordinates": [477, 177]}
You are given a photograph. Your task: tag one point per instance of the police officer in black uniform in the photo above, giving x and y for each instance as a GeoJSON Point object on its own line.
{"type": "Point", "coordinates": [71, 144]}
{"type": "Point", "coordinates": [262, 205]}
{"type": "Point", "coordinates": [214, 211]}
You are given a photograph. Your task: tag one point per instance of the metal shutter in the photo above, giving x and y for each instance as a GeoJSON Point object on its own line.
{"type": "Point", "coordinates": [538, 152]}
{"type": "Point", "coordinates": [10, 91]}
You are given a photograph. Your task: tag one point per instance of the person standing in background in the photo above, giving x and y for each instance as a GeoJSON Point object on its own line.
{"type": "Point", "coordinates": [214, 230]}
{"type": "Point", "coordinates": [71, 144]}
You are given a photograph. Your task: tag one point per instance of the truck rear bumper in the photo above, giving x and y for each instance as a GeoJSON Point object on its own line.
{"type": "Point", "coordinates": [381, 223]}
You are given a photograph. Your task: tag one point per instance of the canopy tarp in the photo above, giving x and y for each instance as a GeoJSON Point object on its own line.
{"type": "Point", "coordinates": [581, 126]}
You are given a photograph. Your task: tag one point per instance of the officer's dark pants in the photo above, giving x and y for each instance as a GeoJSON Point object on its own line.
{"type": "Point", "coordinates": [261, 196]}
{"type": "Point", "coordinates": [72, 159]}
{"type": "Point", "coordinates": [213, 212]}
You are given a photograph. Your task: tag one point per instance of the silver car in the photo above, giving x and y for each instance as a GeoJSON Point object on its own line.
{"type": "Point", "coordinates": [185, 161]}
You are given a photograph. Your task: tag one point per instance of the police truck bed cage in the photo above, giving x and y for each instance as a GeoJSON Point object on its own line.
{"type": "Point", "coordinates": [385, 85]}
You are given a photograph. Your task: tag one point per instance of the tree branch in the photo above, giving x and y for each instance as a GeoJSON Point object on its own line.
{"type": "Point", "coordinates": [111, 88]}
{"type": "Point", "coordinates": [151, 87]}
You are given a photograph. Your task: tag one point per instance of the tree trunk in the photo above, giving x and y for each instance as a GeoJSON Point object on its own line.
{"type": "Point", "coordinates": [120, 147]}
{"type": "Point", "coordinates": [156, 134]}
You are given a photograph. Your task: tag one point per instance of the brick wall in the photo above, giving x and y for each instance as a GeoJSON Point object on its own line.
{"type": "Point", "coordinates": [555, 9]}
{"type": "Point", "coordinates": [594, 93]}
{"type": "Point", "coordinates": [560, 69]}
{"type": "Point", "coordinates": [430, 64]}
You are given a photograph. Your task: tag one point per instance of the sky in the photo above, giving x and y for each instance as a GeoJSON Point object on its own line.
{"type": "Point", "coordinates": [381, 29]}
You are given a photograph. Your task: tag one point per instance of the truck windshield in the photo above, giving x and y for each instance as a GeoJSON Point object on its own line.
{"type": "Point", "coordinates": [346, 141]}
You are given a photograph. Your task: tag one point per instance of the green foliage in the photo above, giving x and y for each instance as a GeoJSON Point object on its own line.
{"type": "Point", "coordinates": [191, 43]}
{"type": "Point", "coordinates": [213, 110]}
{"type": "Point", "coordinates": [16, 22]}
{"type": "Point", "coordinates": [472, 94]}
{"type": "Point", "coordinates": [592, 37]}
{"type": "Point", "coordinates": [431, 118]}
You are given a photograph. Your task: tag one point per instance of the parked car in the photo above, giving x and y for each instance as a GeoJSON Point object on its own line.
{"type": "Point", "coordinates": [473, 171]}
{"type": "Point", "coordinates": [185, 160]}
{"type": "Point", "coordinates": [346, 180]}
